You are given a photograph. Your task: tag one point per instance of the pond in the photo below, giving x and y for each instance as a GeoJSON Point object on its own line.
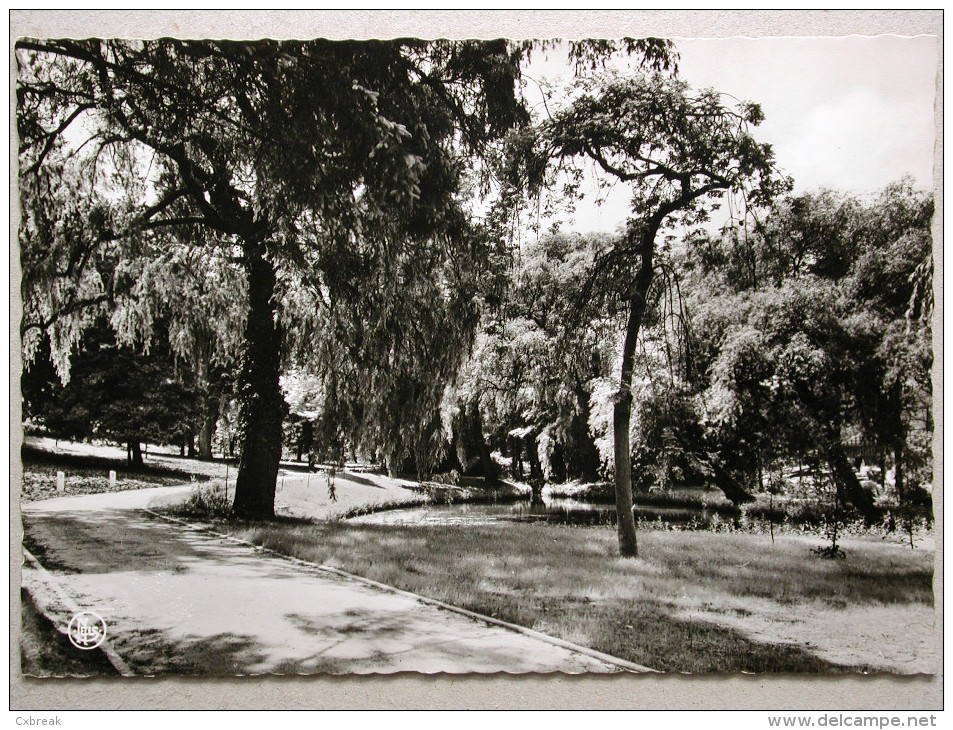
{"type": "Point", "coordinates": [558, 510]}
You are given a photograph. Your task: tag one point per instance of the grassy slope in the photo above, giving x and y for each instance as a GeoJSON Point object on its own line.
{"type": "Point", "coordinates": [568, 582]}
{"type": "Point", "coordinates": [89, 474]}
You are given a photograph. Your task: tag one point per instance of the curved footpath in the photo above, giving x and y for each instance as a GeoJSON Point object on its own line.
{"type": "Point", "coordinates": [182, 600]}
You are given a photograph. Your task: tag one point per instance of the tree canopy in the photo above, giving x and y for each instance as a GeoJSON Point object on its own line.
{"type": "Point", "coordinates": [299, 163]}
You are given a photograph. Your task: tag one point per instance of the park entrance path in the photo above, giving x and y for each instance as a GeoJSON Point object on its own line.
{"type": "Point", "coordinates": [177, 600]}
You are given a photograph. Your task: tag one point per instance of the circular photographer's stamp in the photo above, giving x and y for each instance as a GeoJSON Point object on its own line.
{"type": "Point", "coordinates": [86, 630]}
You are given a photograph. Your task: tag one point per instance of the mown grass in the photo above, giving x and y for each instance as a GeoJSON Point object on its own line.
{"type": "Point", "coordinates": [569, 582]}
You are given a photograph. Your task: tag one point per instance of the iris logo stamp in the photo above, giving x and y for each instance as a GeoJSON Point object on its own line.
{"type": "Point", "coordinates": [86, 630]}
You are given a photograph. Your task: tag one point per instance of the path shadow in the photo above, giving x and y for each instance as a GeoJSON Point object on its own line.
{"type": "Point", "coordinates": [113, 541]}
{"type": "Point", "coordinates": [360, 640]}
{"type": "Point", "coordinates": [153, 652]}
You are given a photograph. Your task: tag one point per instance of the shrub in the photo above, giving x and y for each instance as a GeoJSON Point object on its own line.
{"type": "Point", "coordinates": [206, 501]}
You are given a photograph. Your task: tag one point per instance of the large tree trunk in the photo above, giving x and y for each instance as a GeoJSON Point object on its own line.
{"type": "Point", "coordinates": [207, 428]}
{"type": "Point", "coordinates": [262, 405]}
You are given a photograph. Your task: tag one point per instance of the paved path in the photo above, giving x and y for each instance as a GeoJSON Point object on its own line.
{"type": "Point", "coordinates": [184, 601]}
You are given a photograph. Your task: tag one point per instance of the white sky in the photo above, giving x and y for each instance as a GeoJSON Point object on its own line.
{"type": "Point", "coordinates": [850, 113]}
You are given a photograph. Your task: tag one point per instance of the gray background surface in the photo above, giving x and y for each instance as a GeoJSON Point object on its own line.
{"type": "Point", "coordinates": [456, 691]}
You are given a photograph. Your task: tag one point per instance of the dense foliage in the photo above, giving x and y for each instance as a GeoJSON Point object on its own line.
{"type": "Point", "coordinates": [115, 393]}
{"type": "Point", "coordinates": [808, 351]}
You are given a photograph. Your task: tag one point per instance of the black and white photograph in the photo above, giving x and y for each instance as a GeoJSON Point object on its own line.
{"type": "Point", "coordinates": [605, 355]}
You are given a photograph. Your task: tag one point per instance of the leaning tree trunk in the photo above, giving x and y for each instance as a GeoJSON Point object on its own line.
{"type": "Point", "coordinates": [730, 486]}
{"type": "Point", "coordinates": [622, 412]}
{"type": "Point", "coordinates": [260, 396]}
{"type": "Point", "coordinates": [849, 487]}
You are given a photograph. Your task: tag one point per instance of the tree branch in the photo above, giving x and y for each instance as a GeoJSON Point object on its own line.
{"type": "Point", "coordinates": [73, 306]}
{"type": "Point", "coordinates": [51, 139]}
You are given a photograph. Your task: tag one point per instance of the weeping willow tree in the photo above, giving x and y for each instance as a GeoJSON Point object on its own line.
{"type": "Point", "coordinates": [158, 284]}
{"type": "Point", "coordinates": [384, 342]}
{"type": "Point", "coordinates": [272, 155]}
{"type": "Point", "coordinates": [536, 356]}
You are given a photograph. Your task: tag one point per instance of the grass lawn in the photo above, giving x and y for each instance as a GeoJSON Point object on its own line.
{"type": "Point", "coordinates": [694, 601]}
